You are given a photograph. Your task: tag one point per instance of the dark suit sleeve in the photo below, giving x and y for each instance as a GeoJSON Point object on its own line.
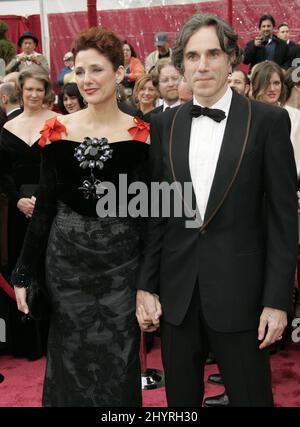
{"type": "Point", "coordinates": [7, 183]}
{"type": "Point", "coordinates": [280, 179]}
{"type": "Point", "coordinates": [286, 60]}
{"type": "Point", "coordinates": [250, 53]}
{"type": "Point", "coordinates": [149, 270]}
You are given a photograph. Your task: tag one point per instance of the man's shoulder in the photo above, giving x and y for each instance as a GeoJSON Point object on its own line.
{"type": "Point", "coordinates": [269, 114]}
{"type": "Point", "coordinates": [166, 117]}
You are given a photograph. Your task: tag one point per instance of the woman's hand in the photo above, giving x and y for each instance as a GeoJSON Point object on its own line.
{"type": "Point", "coordinates": [26, 206]}
{"type": "Point", "coordinates": [21, 299]}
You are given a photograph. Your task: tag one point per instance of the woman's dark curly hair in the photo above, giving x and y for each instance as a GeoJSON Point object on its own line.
{"type": "Point", "coordinates": [104, 41]}
{"type": "Point", "coordinates": [69, 89]}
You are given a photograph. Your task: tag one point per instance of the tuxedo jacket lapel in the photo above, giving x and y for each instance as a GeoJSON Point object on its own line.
{"type": "Point", "coordinates": [231, 153]}
{"type": "Point", "coordinates": [179, 149]}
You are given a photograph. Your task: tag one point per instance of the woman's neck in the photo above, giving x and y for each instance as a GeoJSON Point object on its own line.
{"type": "Point", "coordinates": [104, 112]}
{"type": "Point", "coordinates": [32, 112]}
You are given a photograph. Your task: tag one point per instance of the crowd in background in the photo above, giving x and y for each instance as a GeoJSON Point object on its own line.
{"type": "Point", "coordinates": [146, 89]}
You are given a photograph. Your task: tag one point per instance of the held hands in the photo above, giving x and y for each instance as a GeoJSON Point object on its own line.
{"type": "Point", "coordinates": [148, 311]}
{"type": "Point", "coordinates": [271, 326]}
{"type": "Point", "coordinates": [26, 206]}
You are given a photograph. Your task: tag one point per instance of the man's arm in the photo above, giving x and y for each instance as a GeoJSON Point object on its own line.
{"type": "Point", "coordinates": [280, 179]}
{"type": "Point", "coordinates": [13, 65]}
{"type": "Point", "coordinates": [250, 53]}
{"type": "Point", "coordinates": [148, 306]}
{"type": "Point", "coordinates": [43, 63]}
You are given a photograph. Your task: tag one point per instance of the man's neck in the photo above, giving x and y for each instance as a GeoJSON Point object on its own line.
{"type": "Point", "coordinates": [210, 101]}
{"type": "Point", "coordinates": [12, 108]}
{"type": "Point", "coordinates": [170, 103]}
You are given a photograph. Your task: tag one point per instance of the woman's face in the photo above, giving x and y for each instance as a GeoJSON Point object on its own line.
{"type": "Point", "coordinates": [147, 94]}
{"type": "Point", "coordinates": [272, 93]}
{"type": "Point", "coordinates": [71, 103]}
{"type": "Point", "coordinates": [95, 76]}
{"type": "Point", "coordinates": [127, 53]}
{"type": "Point", "coordinates": [33, 93]}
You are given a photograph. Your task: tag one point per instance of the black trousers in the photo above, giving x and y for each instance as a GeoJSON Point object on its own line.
{"type": "Point", "coordinates": [245, 369]}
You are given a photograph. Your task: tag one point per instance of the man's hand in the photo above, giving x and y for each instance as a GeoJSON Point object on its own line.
{"type": "Point", "coordinates": [148, 311]}
{"type": "Point", "coordinates": [258, 41]}
{"type": "Point", "coordinates": [271, 326]}
{"type": "Point", "coordinates": [26, 206]}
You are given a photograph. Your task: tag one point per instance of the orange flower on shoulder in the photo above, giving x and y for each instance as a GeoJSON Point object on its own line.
{"type": "Point", "coordinates": [51, 131]}
{"type": "Point", "coordinates": [141, 130]}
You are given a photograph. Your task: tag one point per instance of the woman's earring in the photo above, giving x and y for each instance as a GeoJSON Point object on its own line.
{"type": "Point", "coordinates": [118, 91]}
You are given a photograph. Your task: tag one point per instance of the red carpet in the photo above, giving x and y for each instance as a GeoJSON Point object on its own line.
{"type": "Point", "coordinates": [24, 379]}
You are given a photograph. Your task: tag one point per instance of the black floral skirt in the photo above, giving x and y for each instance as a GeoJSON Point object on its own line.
{"type": "Point", "coordinates": [93, 346]}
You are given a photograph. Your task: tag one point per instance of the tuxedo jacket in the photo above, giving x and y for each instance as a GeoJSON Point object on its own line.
{"type": "Point", "coordinates": [147, 117]}
{"type": "Point", "coordinates": [255, 54]}
{"type": "Point", "coordinates": [243, 255]}
{"type": "Point", "coordinates": [15, 114]}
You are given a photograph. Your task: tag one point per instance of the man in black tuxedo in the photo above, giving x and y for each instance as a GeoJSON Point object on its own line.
{"type": "Point", "coordinates": [227, 277]}
{"type": "Point", "coordinates": [284, 35]}
{"type": "Point", "coordinates": [9, 100]}
{"type": "Point", "coordinates": [267, 45]}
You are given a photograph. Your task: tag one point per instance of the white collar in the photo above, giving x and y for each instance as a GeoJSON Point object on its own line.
{"type": "Point", "coordinates": [222, 104]}
{"type": "Point", "coordinates": [165, 105]}
{"type": "Point", "coordinates": [13, 110]}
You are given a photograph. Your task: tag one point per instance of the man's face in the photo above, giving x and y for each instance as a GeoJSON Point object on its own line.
{"type": "Point", "coordinates": [168, 83]}
{"type": "Point", "coordinates": [266, 28]}
{"type": "Point", "coordinates": [28, 46]}
{"type": "Point", "coordinates": [284, 33]}
{"type": "Point", "coordinates": [206, 66]}
{"type": "Point", "coordinates": [237, 82]}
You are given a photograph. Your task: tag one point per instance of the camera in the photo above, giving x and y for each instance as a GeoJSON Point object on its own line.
{"type": "Point", "coordinates": [264, 40]}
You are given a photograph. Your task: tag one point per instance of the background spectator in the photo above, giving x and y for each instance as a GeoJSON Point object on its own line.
{"type": "Point", "coordinates": [70, 99]}
{"type": "Point", "coordinates": [144, 94]}
{"type": "Point", "coordinates": [133, 67]}
{"type": "Point", "coordinates": [28, 58]}
{"type": "Point", "coordinates": [284, 34]}
{"type": "Point", "coordinates": [266, 45]}
{"type": "Point", "coordinates": [68, 68]}
{"type": "Point", "coordinates": [240, 82]}
{"type": "Point", "coordinates": [162, 51]}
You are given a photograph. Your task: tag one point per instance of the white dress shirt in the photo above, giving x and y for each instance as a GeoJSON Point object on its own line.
{"type": "Point", "coordinates": [165, 105]}
{"type": "Point", "coordinates": [205, 145]}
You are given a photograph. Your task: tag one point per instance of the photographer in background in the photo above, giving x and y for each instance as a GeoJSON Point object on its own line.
{"type": "Point", "coordinates": [28, 59]}
{"type": "Point", "coordinates": [267, 45]}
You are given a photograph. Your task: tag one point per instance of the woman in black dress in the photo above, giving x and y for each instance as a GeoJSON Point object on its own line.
{"type": "Point", "coordinates": [19, 177]}
{"type": "Point", "coordinates": [91, 259]}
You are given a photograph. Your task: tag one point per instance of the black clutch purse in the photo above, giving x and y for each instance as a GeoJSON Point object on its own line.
{"type": "Point", "coordinates": [38, 301]}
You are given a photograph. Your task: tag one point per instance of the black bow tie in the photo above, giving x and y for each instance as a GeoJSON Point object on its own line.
{"type": "Point", "coordinates": [213, 113]}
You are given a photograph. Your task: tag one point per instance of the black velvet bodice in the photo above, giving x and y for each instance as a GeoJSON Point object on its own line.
{"type": "Point", "coordinates": [128, 157]}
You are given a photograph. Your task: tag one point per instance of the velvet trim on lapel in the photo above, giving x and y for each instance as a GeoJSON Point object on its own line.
{"type": "Point", "coordinates": [179, 145]}
{"type": "Point", "coordinates": [231, 154]}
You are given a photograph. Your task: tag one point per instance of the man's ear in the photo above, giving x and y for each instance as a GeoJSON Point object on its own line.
{"type": "Point", "coordinates": [4, 99]}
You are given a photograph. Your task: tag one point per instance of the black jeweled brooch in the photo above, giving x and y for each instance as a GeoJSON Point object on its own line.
{"type": "Point", "coordinates": [92, 153]}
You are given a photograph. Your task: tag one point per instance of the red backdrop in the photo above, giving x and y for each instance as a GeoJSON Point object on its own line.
{"type": "Point", "coordinates": [139, 25]}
